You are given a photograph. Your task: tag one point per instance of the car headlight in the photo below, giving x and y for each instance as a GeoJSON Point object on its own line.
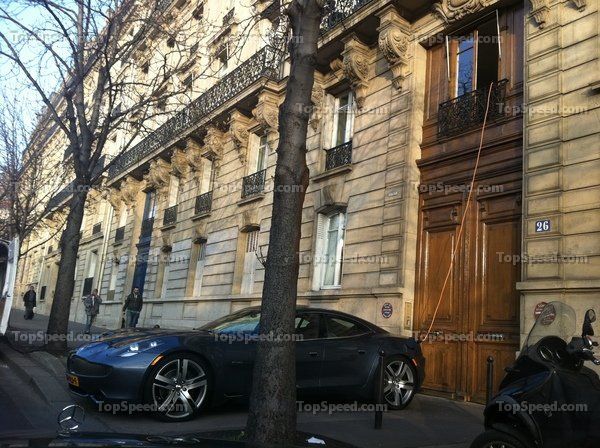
{"type": "Point", "coordinates": [138, 347]}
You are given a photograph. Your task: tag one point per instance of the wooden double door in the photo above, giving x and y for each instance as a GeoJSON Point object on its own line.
{"type": "Point", "coordinates": [478, 315]}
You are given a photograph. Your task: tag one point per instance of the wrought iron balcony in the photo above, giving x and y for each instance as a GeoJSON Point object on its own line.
{"type": "Point", "coordinates": [254, 183]}
{"type": "Point", "coordinates": [170, 216]}
{"type": "Point", "coordinates": [120, 234]}
{"type": "Point", "coordinates": [468, 110]}
{"type": "Point", "coordinates": [97, 228]}
{"type": "Point", "coordinates": [338, 10]}
{"type": "Point", "coordinates": [264, 64]}
{"type": "Point", "coordinates": [203, 203]}
{"type": "Point", "coordinates": [338, 156]}
{"type": "Point", "coordinates": [147, 225]}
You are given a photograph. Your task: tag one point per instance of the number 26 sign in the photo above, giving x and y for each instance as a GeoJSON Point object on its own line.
{"type": "Point", "coordinates": [542, 226]}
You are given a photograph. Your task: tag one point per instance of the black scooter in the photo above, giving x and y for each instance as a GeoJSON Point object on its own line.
{"type": "Point", "coordinates": [548, 398]}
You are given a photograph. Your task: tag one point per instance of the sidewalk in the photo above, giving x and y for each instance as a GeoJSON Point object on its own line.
{"type": "Point", "coordinates": [29, 335]}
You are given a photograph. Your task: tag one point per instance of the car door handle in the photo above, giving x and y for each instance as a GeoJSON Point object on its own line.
{"type": "Point", "coordinates": [313, 354]}
{"type": "Point", "coordinates": [361, 352]}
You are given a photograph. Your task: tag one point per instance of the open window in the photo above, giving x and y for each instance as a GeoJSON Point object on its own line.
{"type": "Point", "coordinates": [331, 230]}
{"type": "Point", "coordinates": [343, 119]}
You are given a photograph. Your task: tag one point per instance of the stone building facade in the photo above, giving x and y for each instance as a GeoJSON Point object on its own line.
{"type": "Point", "coordinates": [185, 214]}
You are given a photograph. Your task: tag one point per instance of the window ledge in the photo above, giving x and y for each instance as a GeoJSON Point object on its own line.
{"type": "Point", "coordinates": [117, 243]}
{"type": "Point", "coordinates": [168, 226]}
{"type": "Point", "coordinates": [333, 172]}
{"type": "Point", "coordinates": [92, 237]}
{"type": "Point", "coordinates": [200, 216]}
{"type": "Point", "coordinates": [249, 199]}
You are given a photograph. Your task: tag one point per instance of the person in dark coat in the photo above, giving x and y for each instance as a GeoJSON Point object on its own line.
{"type": "Point", "coordinates": [30, 302]}
{"type": "Point", "coordinates": [92, 308]}
{"type": "Point", "coordinates": [132, 307]}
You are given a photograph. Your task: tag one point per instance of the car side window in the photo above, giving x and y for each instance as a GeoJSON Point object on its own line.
{"type": "Point", "coordinates": [338, 327]}
{"type": "Point", "coordinates": [246, 324]}
{"type": "Point", "coordinates": [307, 326]}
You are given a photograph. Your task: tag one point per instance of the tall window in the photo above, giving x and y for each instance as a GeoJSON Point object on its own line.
{"type": "Point", "coordinates": [343, 120]}
{"type": "Point", "coordinates": [262, 154]}
{"type": "Point", "coordinates": [330, 248]}
{"type": "Point", "coordinates": [250, 261]}
{"type": "Point", "coordinates": [150, 205]}
{"type": "Point", "coordinates": [199, 271]}
{"type": "Point", "coordinates": [173, 191]}
{"type": "Point", "coordinates": [475, 58]}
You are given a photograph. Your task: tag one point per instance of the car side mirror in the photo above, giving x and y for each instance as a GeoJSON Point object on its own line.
{"type": "Point", "coordinates": [588, 330]}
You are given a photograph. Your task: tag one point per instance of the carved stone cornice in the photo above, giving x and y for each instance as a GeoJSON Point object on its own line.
{"type": "Point", "coordinates": [114, 198]}
{"type": "Point", "coordinates": [179, 163]}
{"type": "Point", "coordinates": [213, 143]}
{"type": "Point", "coordinates": [580, 4]}
{"type": "Point", "coordinates": [266, 112]}
{"type": "Point", "coordinates": [128, 191]}
{"type": "Point", "coordinates": [356, 59]}
{"type": "Point", "coordinates": [238, 132]}
{"type": "Point", "coordinates": [393, 43]}
{"type": "Point", "coordinates": [540, 11]}
{"type": "Point", "coordinates": [453, 10]}
{"type": "Point", "coordinates": [158, 175]}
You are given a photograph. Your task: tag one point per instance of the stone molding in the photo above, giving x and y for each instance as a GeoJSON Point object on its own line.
{"type": "Point", "coordinates": [454, 10]}
{"type": "Point", "coordinates": [158, 175]}
{"type": "Point", "coordinates": [129, 190]}
{"type": "Point", "coordinates": [394, 33]}
{"type": "Point", "coordinates": [356, 64]}
{"type": "Point", "coordinates": [266, 113]}
{"type": "Point", "coordinates": [179, 163]}
{"type": "Point", "coordinates": [239, 134]}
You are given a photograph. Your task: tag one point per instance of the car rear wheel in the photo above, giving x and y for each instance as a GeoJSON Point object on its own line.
{"type": "Point", "coordinates": [496, 439]}
{"type": "Point", "coordinates": [178, 387]}
{"type": "Point", "coordinates": [399, 384]}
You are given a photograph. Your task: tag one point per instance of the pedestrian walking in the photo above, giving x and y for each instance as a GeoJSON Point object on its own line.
{"type": "Point", "coordinates": [92, 308]}
{"type": "Point", "coordinates": [29, 299]}
{"type": "Point", "coordinates": [132, 307]}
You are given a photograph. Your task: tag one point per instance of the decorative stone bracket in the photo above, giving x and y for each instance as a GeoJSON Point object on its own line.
{"type": "Point", "coordinates": [158, 175]}
{"type": "Point", "coordinates": [238, 132]}
{"type": "Point", "coordinates": [193, 155]}
{"type": "Point", "coordinates": [454, 10]}
{"type": "Point", "coordinates": [393, 43]}
{"type": "Point", "coordinates": [129, 190]}
{"type": "Point", "coordinates": [266, 112]}
{"type": "Point", "coordinates": [356, 59]}
{"type": "Point", "coordinates": [179, 163]}
{"type": "Point", "coordinates": [213, 143]}
{"type": "Point", "coordinates": [317, 99]}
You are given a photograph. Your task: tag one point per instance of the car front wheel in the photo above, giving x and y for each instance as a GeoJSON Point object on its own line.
{"type": "Point", "coordinates": [399, 382]}
{"type": "Point", "coordinates": [178, 387]}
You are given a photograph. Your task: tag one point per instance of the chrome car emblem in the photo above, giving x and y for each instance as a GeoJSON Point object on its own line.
{"type": "Point", "coordinates": [71, 417]}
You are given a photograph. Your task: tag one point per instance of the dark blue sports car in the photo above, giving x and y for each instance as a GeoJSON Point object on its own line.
{"type": "Point", "coordinates": [177, 373]}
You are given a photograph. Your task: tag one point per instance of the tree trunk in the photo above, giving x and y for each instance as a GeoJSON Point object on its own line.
{"type": "Point", "coordinates": [272, 416]}
{"type": "Point", "coordinates": [58, 324]}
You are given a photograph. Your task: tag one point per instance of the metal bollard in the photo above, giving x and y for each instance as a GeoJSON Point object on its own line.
{"type": "Point", "coordinates": [379, 391]}
{"type": "Point", "coordinates": [490, 379]}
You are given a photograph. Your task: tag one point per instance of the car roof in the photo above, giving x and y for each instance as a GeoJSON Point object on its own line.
{"type": "Point", "coordinates": [321, 310]}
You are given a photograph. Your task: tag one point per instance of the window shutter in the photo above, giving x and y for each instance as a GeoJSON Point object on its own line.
{"type": "Point", "coordinates": [319, 249]}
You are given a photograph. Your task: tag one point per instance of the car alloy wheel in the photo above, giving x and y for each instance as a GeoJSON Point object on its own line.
{"type": "Point", "coordinates": [179, 387]}
{"type": "Point", "coordinates": [398, 383]}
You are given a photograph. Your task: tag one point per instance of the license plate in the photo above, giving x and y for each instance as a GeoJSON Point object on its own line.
{"type": "Point", "coordinates": [72, 379]}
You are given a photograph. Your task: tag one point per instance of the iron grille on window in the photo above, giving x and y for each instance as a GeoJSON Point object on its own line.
{"type": "Point", "coordinates": [120, 234]}
{"type": "Point", "coordinates": [147, 225]}
{"type": "Point", "coordinates": [338, 10]}
{"type": "Point", "coordinates": [97, 229]}
{"type": "Point", "coordinates": [468, 110]}
{"type": "Point", "coordinates": [254, 183]}
{"type": "Point", "coordinates": [203, 203]}
{"type": "Point", "coordinates": [170, 215]}
{"type": "Point", "coordinates": [338, 156]}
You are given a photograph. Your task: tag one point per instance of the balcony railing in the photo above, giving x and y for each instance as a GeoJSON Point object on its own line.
{"type": "Point", "coordinates": [203, 203]}
{"type": "Point", "coordinates": [338, 10]}
{"type": "Point", "coordinates": [120, 234]}
{"type": "Point", "coordinates": [253, 184]}
{"type": "Point", "coordinates": [147, 225]}
{"type": "Point", "coordinates": [170, 216]}
{"type": "Point", "coordinates": [338, 156]}
{"type": "Point", "coordinates": [468, 110]}
{"type": "Point", "coordinates": [264, 64]}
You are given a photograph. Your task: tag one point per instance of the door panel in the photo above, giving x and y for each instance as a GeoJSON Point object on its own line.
{"type": "Point", "coordinates": [309, 351]}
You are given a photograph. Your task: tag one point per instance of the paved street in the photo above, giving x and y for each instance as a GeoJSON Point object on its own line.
{"type": "Point", "coordinates": [33, 391]}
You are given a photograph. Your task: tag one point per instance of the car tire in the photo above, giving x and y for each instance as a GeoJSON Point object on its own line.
{"type": "Point", "coordinates": [497, 439]}
{"type": "Point", "coordinates": [178, 387]}
{"type": "Point", "coordinates": [399, 382]}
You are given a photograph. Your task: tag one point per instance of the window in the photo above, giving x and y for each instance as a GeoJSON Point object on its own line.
{"type": "Point", "coordinates": [330, 245]}
{"type": "Point", "coordinates": [262, 154]}
{"type": "Point", "coordinates": [198, 12]}
{"type": "Point", "coordinates": [112, 283]}
{"type": "Point", "coordinates": [250, 261]}
{"type": "Point", "coordinates": [199, 271]}
{"type": "Point", "coordinates": [307, 326]}
{"type": "Point", "coordinates": [343, 120]}
{"type": "Point", "coordinates": [337, 327]}
{"type": "Point", "coordinates": [244, 324]}
{"type": "Point", "coordinates": [475, 58]}
{"type": "Point", "coordinates": [173, 191]}
{"type": "Point", "coordinates": [150, 205]}
{"type": "Point", "coordinates": [222, 51]}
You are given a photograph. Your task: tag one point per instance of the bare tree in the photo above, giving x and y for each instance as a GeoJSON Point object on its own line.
{"type": "Point", "coordinates": [272, 418]}
{"type": "Point", "coordinates": [115, 62]}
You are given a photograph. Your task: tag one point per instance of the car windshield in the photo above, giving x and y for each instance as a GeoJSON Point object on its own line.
{"type": "Point", "coordinates": [556, 319]}
{"type": "Point", "coordinates": [246, 323]}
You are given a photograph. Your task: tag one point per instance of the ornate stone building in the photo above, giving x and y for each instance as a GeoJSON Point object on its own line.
{"type": "Point", "coordinates": [399, 99]}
